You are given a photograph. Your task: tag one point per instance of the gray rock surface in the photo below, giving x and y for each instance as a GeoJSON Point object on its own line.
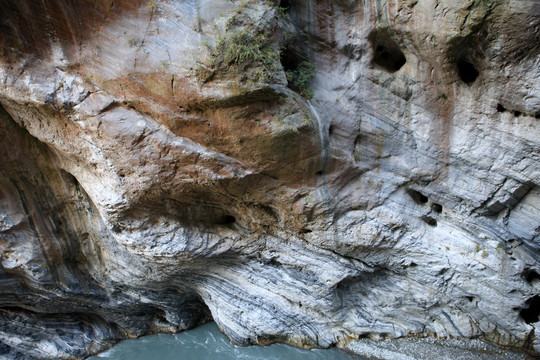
{"type": "Point", "coordinates": [157, 171]}
{"type": "Point", "coordinates": [428, 348]}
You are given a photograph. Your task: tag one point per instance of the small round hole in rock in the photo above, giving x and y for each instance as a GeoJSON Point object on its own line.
{"type": "Point", "coordinates": [429, 220]}
{"type": "Point", "coordinates": [500, 108]}
{"type": "Point", "coordinates": [530, 275]}
{"type": "Point", "coordinates": [530, 314]}
{"type": "Point", "coordinates": [517, 113]}
{"type": "Point", "coordinates": [436, 207]}
{"type": "Point", "coordinates": [467, 71]}
{"type": "Point", "coordinates": [417, 196]}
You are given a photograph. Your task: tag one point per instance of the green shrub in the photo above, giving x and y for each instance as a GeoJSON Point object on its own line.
{"type": "Point", "coordinates": [301, 77]}
{"type": "Point", "coordinates": [282, 13]}
{"type": "Point", "coordinates": [243, 50]}
{"type": "Point", "coordinates": [240, 49]}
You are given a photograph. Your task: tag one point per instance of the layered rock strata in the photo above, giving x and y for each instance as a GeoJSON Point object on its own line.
{"type": "Point", "coordinates": [158, 170]}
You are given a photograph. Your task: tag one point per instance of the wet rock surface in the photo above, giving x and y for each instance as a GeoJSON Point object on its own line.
{"type": "Point", "coordinates": [158, 171]}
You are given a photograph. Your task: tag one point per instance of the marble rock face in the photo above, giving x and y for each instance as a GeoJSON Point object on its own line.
{"type": "Point", "coordinates": [158, 170]}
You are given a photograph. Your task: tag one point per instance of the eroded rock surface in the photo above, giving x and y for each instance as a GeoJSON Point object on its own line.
{"type": "Point", "coordinates": [157, 171]}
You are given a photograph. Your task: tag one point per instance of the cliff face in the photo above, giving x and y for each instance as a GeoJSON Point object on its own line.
{"type": "Point", "coordinates": [158, 169]}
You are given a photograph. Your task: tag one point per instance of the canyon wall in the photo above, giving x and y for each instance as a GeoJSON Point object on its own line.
{"type": "Point", "coordinates": [159, 169]}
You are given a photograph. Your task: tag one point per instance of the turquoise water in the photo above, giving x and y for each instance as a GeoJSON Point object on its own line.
{"type": "Point", "coordinates": [206, 342]}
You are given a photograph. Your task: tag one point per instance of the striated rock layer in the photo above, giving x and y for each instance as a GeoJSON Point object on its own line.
{"type": "Point", "coordinates": [157, 170]}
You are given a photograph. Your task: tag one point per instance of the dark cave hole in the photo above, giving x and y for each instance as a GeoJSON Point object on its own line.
{"type": "Point", "coordinates": [4, 349]}
{"type": "Point", "coordinates": [226, 219]}
{"type": "Point", "coordinates": [319, 173]}
{"type": "Point", "coordinates": [429, 220]}
{"type": "Point", "coordinates": [417, 196]}
{"type": "Point", "coordinates": [467, 71]}
{"type": "Point", "coordinates": [273, 261]}
{"type": "Point", "coordinates": [517, 113]}
{"type": "Point", "coordinates": [386, 52]}
{"type": "Point", "coordinates": [537, 115]}
{"type": "Point", "coordinates": [470, 298]}
{"type": "Point", "coordinates": [305, 231]}
{"type": "Point", "coordinates": [330, 129]}
{"type": "Point", "coordinates": [500, 108]}
{"type": "Point", "coordinates": [390, 58]}
{"type": "Point", "coordinates": [436, 207]}
{"type": "Point", "coordinates": [285, 4]}
{"type": "Point", "coordinates": [530, 275]}
{"type": "Point", "coordinates": [289, 59]}
{"type": "Point", "coordinates": [530, 314]}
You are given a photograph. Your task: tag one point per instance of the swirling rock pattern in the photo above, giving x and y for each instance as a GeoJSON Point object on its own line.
{"type": "Point", "coordinates": [156, 172]}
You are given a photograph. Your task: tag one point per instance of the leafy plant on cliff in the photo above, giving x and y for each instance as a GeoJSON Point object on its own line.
{"type": "Point", "coordinates": [237, 14]}
{"type": "Point", "coordinates": [244, 50]}
{"type": "Point", "coordinates": [282, 13]}
{"type": "Point", "coordinates": [239, 49]}
{"type": "Point", "coordinates": [301, 77]}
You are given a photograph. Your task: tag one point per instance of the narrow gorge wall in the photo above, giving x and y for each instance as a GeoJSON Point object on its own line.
{"type": "Point", "coordinates": [158, 170]}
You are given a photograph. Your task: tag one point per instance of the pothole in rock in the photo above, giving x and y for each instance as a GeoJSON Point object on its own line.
{"type": "Point", "coordinates": [531, 313]}
{"type": "Point", "coordinates": [530, 275]}
{"type": "Point", "coordinates": [429, 220]}
{"type": "Point", "coordinates": [467, 71]}
{"type": "Point", "coordinates": [386, 53]}
{"type": "Point", "coordinates": [418, 197]}
{"type": "Point", "coordinates": [436, 207]}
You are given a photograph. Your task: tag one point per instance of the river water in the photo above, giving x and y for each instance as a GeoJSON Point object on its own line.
{"type": "Point", "coordinates": [206, 342]}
